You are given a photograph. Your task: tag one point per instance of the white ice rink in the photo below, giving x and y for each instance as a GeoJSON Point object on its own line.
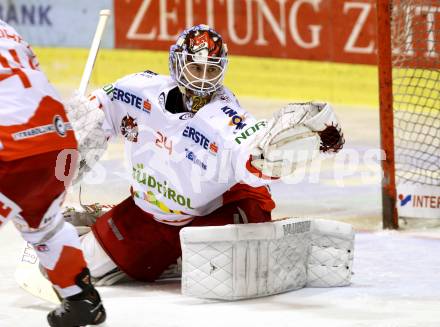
{"type": "Point", "coordinates": [397, 274]}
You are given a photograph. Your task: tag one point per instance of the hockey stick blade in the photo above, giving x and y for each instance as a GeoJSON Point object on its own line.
{"type": "Point", "coordinates": [29, 277]}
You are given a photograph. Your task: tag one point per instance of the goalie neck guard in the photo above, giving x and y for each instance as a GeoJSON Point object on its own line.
{"type": "Point", "coordinates": [198, 61]}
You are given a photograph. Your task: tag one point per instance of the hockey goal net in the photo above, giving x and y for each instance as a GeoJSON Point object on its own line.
{"type": "Point", "coordinates": [409, 74]}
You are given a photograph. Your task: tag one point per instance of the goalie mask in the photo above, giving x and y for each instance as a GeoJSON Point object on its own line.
{"type": "Point", "coordinates": [198, 61]}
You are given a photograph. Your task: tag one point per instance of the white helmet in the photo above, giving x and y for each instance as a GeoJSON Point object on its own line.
{"type": "Point", "coordinates": [198, 60]}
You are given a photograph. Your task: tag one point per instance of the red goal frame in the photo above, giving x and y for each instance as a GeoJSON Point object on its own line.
{"type": "Point", "coordinates": [389, 209]}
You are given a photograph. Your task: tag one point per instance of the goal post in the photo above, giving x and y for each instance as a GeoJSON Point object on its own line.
{"type": "Point", "coordinates": [390, 219]}
{"type": "Point", "coordinates": [408, 37]}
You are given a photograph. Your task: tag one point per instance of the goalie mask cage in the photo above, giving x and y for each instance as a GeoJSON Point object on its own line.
{"type": "Point", "coordinates": [409, 88]}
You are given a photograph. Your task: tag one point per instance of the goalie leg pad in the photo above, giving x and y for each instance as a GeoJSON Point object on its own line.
{"type": "Point", "coordinates": [331, 254]}
{"type": "Point", "coordinates": [245, 261]}
{"type": "Point", "coordinates": [98, 262]}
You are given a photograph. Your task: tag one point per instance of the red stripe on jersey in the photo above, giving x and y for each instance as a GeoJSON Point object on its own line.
{"type": "Point", "coordinates": [45, 114]}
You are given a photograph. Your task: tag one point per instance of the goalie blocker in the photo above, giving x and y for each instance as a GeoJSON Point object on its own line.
{"type": "Point", "coordinates": [245, 261]}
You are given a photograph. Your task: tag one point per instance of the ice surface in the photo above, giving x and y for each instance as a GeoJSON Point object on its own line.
{"type": "Point", "coordinates": [396, 284]}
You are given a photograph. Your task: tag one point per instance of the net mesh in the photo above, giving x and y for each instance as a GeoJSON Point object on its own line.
{"type": "Point", "coordinates": [416, 90]}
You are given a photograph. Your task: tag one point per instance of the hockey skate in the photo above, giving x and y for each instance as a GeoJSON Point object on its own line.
{"type": "Point", "coordinates": [80, 309]}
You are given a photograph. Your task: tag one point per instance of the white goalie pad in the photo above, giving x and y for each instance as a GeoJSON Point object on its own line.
{"type": "Point", "coordinates": [331, 254]}
{"type": "Point", "coordinates": [245, 261]}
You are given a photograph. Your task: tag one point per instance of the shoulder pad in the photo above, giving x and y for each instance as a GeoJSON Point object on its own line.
{"type": "Point", "coordinates": [141, 80]}
{"type": "Point", "coordinates": [229, 117]}
{"type": "Point", "coordinates": [148, 73]}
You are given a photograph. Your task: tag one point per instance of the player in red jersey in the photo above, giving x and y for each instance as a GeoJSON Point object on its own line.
{"type": "Point", "coordinates": [34, 129]}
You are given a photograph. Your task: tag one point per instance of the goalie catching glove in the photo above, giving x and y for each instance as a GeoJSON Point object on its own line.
{"type": "Point", "coordinates": [295, 135]}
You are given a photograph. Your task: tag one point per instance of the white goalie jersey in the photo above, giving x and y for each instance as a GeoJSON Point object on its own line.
{"type": "Point", "coordinates": [181, 163]}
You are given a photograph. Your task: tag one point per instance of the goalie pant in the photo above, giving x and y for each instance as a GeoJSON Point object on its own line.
{"type": "Point", "coordinates": [143, 248]}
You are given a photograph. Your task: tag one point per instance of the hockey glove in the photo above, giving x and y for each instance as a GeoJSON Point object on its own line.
{"type": "Point", "coordinates": [294, 136]}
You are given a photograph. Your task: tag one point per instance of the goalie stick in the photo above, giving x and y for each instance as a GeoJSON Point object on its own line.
{"type": "Point", "coordinates": [29, 277]}
{"type": "Point", "coordinates": [27, 273]}
{"type": "Point", "coordinates": [87, 73]}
